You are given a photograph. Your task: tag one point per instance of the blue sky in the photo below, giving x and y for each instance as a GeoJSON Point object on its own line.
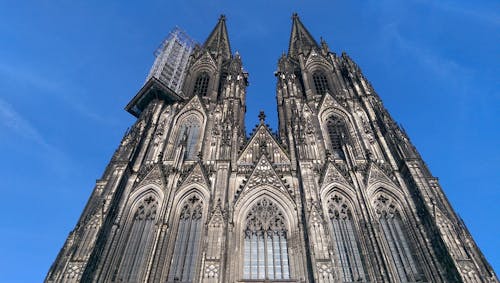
{"type": "Point", "coordinates": [67, 69]}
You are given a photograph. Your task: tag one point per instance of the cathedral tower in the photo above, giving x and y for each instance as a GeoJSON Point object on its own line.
{"type": "Point", "coordinates": [338, 195]}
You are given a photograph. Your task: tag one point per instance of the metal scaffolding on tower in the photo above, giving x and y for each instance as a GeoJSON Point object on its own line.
{"type": "Point", "coordinates": [172, 58]}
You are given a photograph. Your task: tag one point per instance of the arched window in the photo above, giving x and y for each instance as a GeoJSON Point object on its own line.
{"type": "Point", "coordinates": [189, 134]}
{"type": "Point", "coordinates": [320, 82]}
{"type": "Point", "coordinates": [201, 84]}
{"type": "Point", "coordinates": [265, 243]}
{"type": "Point", "coordinates": [338, 135]}
{"type": "Point", "coordinates": [396, 236]}
{"type": "Point", "coordinates": [138, 243]}
{"type": "Point", "coordinates": [345, 240]}
{"type": "Point", "coordinates": [187, 242]}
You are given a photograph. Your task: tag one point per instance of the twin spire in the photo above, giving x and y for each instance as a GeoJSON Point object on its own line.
{"type": "Point", "coordinates": [301, 40]}
{"type": "Point", "coordinates": [217, 42]}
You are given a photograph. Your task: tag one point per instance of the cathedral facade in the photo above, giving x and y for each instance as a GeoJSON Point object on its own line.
{"type": "Point", "coordinates": [337, 194]}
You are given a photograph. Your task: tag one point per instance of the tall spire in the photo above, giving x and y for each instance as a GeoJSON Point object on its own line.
{"type": "Point", "coordinates": [300, 38]}
{"type": "Point", "coordinates": [218, 40]}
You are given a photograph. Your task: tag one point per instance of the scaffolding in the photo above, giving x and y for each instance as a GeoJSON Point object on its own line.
{"type": "Point", "coordinates": [171, 61]}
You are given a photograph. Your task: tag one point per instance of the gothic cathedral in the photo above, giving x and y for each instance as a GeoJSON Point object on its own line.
{"type": "Point", "coordinates": [337, 194]}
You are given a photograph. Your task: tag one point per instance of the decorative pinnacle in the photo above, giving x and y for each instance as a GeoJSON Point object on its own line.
{"type": "Point", "coordinates": [262, 117]}
{"type": "Point", "coordinates": [295, 15]}
{"type": "Point", "coordinates": [222, 17]}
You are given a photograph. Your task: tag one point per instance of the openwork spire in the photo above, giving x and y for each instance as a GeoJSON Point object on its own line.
{"type": "Point", "coordinates": [300, 38]}
{"type": "Point", "coordinates": [217, 42]}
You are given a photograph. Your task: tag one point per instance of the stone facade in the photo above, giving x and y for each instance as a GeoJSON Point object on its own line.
{"type": "Point", "coordinates": [338, 194]}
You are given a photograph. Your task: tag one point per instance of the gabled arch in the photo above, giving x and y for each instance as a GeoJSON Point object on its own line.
{"type": "Point", "coordinates": [243, 237]}
{"type": "Point", "coordinates": [138, 236]}
{"type": "Point", "coordinates": [316, 61]}
{"type": "Point", "coordinates": [340, 213]}
{"type": "Point", "coordinates": [205, 64]}
{"type": "Point", "coordinates": [350, 138]}
{"type": "Point", "coordinates": [189, 214]}
{"type": "Point", "coordinates": [201, 83]}
{"type": "Point", "coordinates": [189, 131]}
{"type": "Point", "coordinates": [397, 233]}
{"type": "Point", "coordinates": [321, 82]}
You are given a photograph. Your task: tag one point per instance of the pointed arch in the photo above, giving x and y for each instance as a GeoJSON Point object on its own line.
{"type": "Point", "coordinates": [264, 225]}
{"type": "Point", "coordinates": [339, 210]}
{"type": "Point", "coordinates": [189, 133]}
{"type": "Point", "coordinates": [337, 135]}
{"type": "Point", "coordinates": [338, 130]}
{"type": "Point", "coordinates": [320, 82]}
{"type": "Point", "coordinates": [189, 217]}
{"type": "Point", "coordinates": [201, 84]}
{"type": "Point", "coordinates": [138, 234]}
{"type": "Point", "coordinates": [265, 243]}
{"type": "Point", "coordinates": [394, 227]}
{"type": "Point", "coordinates": [187, 240]}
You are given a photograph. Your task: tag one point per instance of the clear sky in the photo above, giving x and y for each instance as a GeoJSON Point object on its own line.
{"type": "Point", "coordinates": [67, 69]}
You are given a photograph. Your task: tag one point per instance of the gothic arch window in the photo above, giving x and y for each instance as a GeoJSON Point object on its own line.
{"type": "Point", "coordinates": [337, 133]}
{"type": "Point", "coordinates": [320, 82]}
{"type": "Point", "coordinates": [395, 233]}
{"type": "Point", "coordinates": [201, 84]}
{"type": "Point", "coordinates": [265, 243]}
{"type": "Point", "coordinates": [187, 241]}
{"type": "Point", "coordinates": [345, 240]}
{"type": "Point", "coordinates": [189, 135]}
{"type": "Point", "coordinates": [139, 240]}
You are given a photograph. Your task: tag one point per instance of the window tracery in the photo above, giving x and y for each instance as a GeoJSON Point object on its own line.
{"type": "Point", "coordinates": [201, 84]}
{"type": "Point", "coordinates": [394, 230]}
{"type": "Point", "coordinates": [320, 82]}
{"type": "Point", "coordinates": [188, 135]}
{"type": "Point", "coordinates": [337, 133]}
{"type": "Point", "coordinates": [138, 241]}
{"type": "Point", "coordinates": [265, 243]}
{"type": "Point", "coordinates": [345, 240]}
{"type": "Point", "coordinates": [187, 241]}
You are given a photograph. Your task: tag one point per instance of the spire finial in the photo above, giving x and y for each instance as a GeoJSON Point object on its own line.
{"type": "Point", "coordinates": [295, 16]}
{"type": "Point", "coordinates": [222, 17]}
{"type": "Point", "coordinates": [262, 117]}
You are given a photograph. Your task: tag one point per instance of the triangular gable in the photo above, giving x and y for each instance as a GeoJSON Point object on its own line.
{"type": "Point", "coordinates": [306, 110]}
{"type": "Point", "coordinates": [195, 176]}
{"type": "Point", "coordinates": [328, 102]}
{"type": "Point", "coordinates": [332, 175]}
{"type": "Point", "coordinates": [262, 134]}
{"type": "Point", "coordinates": [217, 216]}
{"type": "Point", "coordinates": [150, 175]}
{"type": "Point", "coordinates": [375, 174]}
{"type": "Point", "coordinates": [204, 59]}
{"type": "Point", "coordinates": [317, 58]}
{"type": "Point", "coordinates": [315, 214]}
{"type": "Point", "coordinates": [193, 104]}
{"type": "Point", "coordinates": [262, 175]}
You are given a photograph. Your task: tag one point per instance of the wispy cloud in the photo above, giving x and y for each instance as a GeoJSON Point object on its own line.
{"type": "Point", "coordinates": [12, 120]}
{"type": "Point", "coordinates": [474, 12]}
{"type": "Point", "coordinates": [65, 92]}
{"type": "Point", "coordinates": [438, 65]}
{"type": "Point", "coordinates": [20, 127]}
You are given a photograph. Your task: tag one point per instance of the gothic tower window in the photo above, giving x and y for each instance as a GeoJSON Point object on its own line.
{"type": "Point", "coordinates": [265, 243]}
{"type": "Point", "coordinates": [139, 240]}
{"type": "Point", "coordinates": [395, 233]}
{"type": "Point", "coordinates": [189, 134]}
{"type": "Point", "coordinates": [337, 133]}
{"type": "Point", "coordinates": [201, 84]}
{"type": "Point", "coordinates": [320, 82]}
{"type": "Point", "coordinates": [187, 242]}
{"type": "Point", "coordinates": [345, 240]}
